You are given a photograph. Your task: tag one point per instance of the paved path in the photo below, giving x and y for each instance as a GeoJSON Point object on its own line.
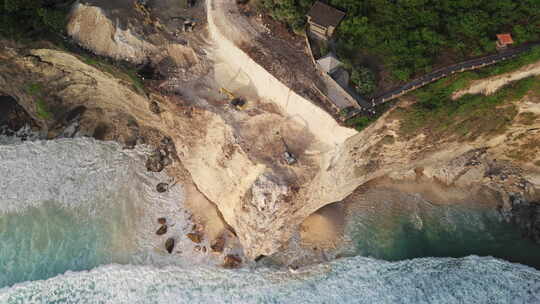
{"type": "Point", "coordinates": [468, 65]}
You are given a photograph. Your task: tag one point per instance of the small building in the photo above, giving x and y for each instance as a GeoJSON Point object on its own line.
{"type": "Point", "coordinates": [323, 20]}
{"type": "Point", "coordinates": [329, 63]}
{"type": "Point", "coordinates": [504, 40]}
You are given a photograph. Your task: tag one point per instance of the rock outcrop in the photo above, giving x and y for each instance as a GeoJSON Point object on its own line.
{"type": "Point", "coordinates": [233, 157]}
{"type": "Point", "coordinates": [92, 29]}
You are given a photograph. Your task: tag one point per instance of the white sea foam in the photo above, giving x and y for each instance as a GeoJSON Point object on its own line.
{"type": "Point", "coordinates": [96, 178]}
{"type": "Point", "coordinates": [352, 280]}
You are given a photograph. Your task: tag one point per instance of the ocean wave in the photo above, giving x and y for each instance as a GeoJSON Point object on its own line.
{"type": "Point", "coordinates": [78, 203]}
{"type": "Point", "coordinates": [350, 280]}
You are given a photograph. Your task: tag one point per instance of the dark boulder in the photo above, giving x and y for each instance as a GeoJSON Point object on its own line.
{"type": "Point", "coordinates": [232, 261]}
{"type": "Point", "coordinates": [154, 107]}
{"type": "Point", "coordinates": [195, 237]}
{"type": "Point", "coordinates": [162, 230]}
{"type": "Point", "coordinates": [218, 244]}
{"type": "Point", "coordinates": [162, 187]}
{"type": "Point", "coordinates": [154, 164]}
{"type": "Point", "coordinates": [162, 220]}
{"type": "Point", "coordinates": [169, 245]}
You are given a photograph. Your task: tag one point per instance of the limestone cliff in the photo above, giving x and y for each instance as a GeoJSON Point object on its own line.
{"type": "Point", "coordinates": [235, 158]}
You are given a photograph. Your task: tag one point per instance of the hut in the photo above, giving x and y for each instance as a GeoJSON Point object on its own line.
{"type": "Point", "coordinates": [504, 40]}
{"type": "Point", "coordinates": [323, 20]}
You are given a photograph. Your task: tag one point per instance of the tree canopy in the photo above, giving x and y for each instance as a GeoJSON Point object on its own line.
{"type": "Point", "coordinates": [21, 18]}
{"type": "Point", "coordinates": [410, 36]}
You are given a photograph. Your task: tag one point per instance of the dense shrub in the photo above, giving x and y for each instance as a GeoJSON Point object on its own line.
{"type": "Point", "coordinates": [24, 18]}
{"type": "Point", "coordinates": [410, 35]}
{"type": "Point", "coordinates": [363, 80]}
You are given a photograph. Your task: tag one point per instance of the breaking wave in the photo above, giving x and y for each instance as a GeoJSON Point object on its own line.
{"type": "Point", "coordinates": [351, 280]}
{"type": "Point", "coordinates": [75, 204]}
{"type": "Point", "coordinates": [77, 225]}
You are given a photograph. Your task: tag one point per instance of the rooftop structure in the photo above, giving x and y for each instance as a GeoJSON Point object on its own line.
{"type": "Point", "coordinates": [329, 63]}
{"type": "Point", "coordinates": [503, 40]}
{"type": "Point", "coordinates": [323, 20]}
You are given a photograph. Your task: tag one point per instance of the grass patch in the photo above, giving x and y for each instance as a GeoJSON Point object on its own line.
{"type": "Point", "coordinates": [122, 72]}
{"type": "Point", "coordinates": [360, 122]}
{"type": "Point", "coordinates": [42, 109]}
{"type": "Point", "coordinates": [33, 89]}
{"type": "Point", "coordinates": [135, 80]}
{"type": "Point", "coordinates": [436, 114]}
{"type": "Point", "coordinates": [478, 114]}
{"type": "Point", "coordinates": [510, 65]}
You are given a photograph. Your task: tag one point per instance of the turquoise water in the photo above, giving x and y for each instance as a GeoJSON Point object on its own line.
{"type": "Point", "coordinates": [75, 204]}
{"type": "Point", "coordinates": [413, 228]}
{"type": "Point", "coordinates": [73, 211]}
{"type": "Point", "coordinates": [49, 240]}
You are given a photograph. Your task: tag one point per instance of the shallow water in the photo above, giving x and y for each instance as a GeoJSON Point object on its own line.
{"type": "Point", "coordinates": [78, 205]}
{"type": "Point", "coordinates": [396, 226]}
{"type": "Point", "coordinates": [74, 204]}
{"type": "Point", "coordinates": [49, 240]}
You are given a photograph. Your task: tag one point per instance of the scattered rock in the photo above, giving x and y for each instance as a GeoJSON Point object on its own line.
{"type": "Point", "coordinates": [130, 143]}
{"type": "Point", "coordinates": [194, 237]}
{"type": "Point", "coordinates": [154, 107]}
{"type": "Point", "coordinates": [162, 220]}
{"type": "Point", "coordinates": [153, 164]}
{"type": "Point", "coordinates": [218, 244]}
{"type": "Point", "coordinates": [169, 245]}
{"type": "Point", "coordinates": [162, 230]}
{"type": "Point", "coordinates": [162, 187]}
{"type": "Point", "coordinates": [166, 161]}
{"type": "Point", "coordinates": [232, 261]}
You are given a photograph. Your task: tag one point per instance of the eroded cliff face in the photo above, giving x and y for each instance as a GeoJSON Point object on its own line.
{"type": "Point", "coordinates": [507, 162]}
{"type": "Point", "coordinates": [237, 165]}
{"type": "Point", "coordinates": [264, 202]}
{"type": "Point", "coordinates": [234, 159]}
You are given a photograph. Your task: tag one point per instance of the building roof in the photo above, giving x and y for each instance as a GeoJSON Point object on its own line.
{"type": "Point", "coordinates": [329, 63]}
{"type": "Point", "coordinates": [325, 15]}
{"type": "Point", "coordinates": [505, 38]}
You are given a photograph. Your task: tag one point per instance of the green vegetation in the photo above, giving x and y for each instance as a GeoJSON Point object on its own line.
{"type": "Point", "coordinates": [410, 36]}
{"type": "Point", "coordinates": [436, 96]}
{"type": "Point", "coordinates": [127, 73]}
{"type": "Point", "coordinates": [42, 109]}
{"type": "Point", "coordinates": [30, 18]}
{"type": "Point", "coordinates": [437, 115]}
{"type": "Point", "coordinates": [363, 80]}
{"type": "Point", "coordinates": [36, 90]}
{"type": "Point", "coordinates": [360, 122]}
{"type": "Point", "coordinates": [135, 80]}
{"type": "Point", "coordinates": [291, 12]}
{"type": "Point", "coordinates": [33, 89]}
{"type": "Point", "coordinates": [511, 65]}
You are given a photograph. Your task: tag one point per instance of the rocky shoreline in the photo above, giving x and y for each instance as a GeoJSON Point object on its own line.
{"type": "Point", "coordinates": [242, 196]}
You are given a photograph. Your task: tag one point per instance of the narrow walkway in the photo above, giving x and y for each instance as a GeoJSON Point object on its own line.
{"type": "Point", "coordinates": [468, 65]}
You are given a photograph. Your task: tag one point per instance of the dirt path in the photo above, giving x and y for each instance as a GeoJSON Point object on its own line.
{"type": "Point", "coordinates": [490, 85]}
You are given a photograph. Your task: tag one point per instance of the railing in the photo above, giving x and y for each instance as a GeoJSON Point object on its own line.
{"type": "Point", "coordinates": [468, 65]}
